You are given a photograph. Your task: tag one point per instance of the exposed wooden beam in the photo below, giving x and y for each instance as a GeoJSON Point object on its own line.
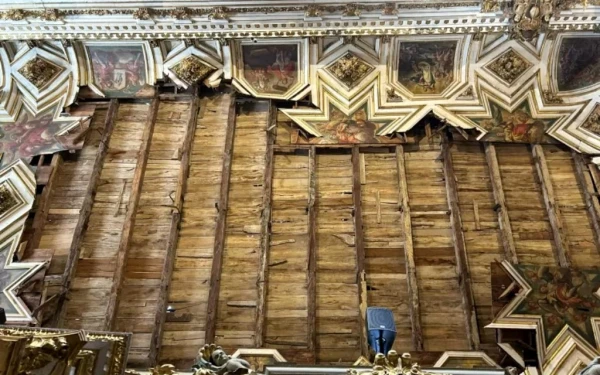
{"type": "Point", "coordinates": [409, 253]}
{"type": "Point", "coordinates": [169, 263]}
{"type": "Point", "coordinates": [506, 234]}
{"type": "Point", "coordinates": [584, 180]}
{"type": "Point", "coordinates": [129, 220]}
{"type": "Point", "coordinates": [217, 264]}
{"type": "Point", "coordinates": [311, 277]}
{"type": "Point", "coordinates": [360, 250]}
{"type": "Point", "coordinates": [265, 229]}
{"type": "Point", "coordinates": [43, 205]}
{"type": "Point", "coordinates": [462, 265]}
{"type": "Point", "coordinates": [561, 245]}
{"type": "Point", "coordinates": [86, 210]}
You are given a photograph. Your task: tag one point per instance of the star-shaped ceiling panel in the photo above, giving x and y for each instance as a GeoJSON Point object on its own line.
{"type": "Point", "coordinates": [30, 136]}
{"type": "Point", "coordinates": [556, 302]}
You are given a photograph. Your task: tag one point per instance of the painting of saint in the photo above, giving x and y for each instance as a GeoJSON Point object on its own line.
{"type": "Point", "coordinates": [516, 126]}
{"type": "Point", "coordinates": [426, 68]}
{"type": "Point", "coordinates": [119, 70]}
{"type": "Point", "coordinates": [354, 128]}
{"type": "Point", "coordinates": [578, 63]}
{"type": "Point", "coordinates": [29, 136]}
{"type": "Point", "coordinates": [270, 68]}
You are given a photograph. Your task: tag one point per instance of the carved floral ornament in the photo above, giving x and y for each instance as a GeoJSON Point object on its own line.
{"type": "Point", "coordinates": [393, 364]}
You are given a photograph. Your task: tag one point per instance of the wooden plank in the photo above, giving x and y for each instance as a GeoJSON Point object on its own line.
{"type": "Point", "coordinates": [86, 209]}
{"type": "Point", "coordinates": [360, 249]}
{"type": "Point", "coordinates": [584, 180]}
{"type": "Point", "coordinates": [311, 278]}
{"type": "Point", "coordinates": [43, 206]}
{"type": "Point", "coordinates": [409, 253]}
{"type": "Point", "coordinates": [129, 221]}
{"type": "Point", "coordinates": [506, 234]}
{"type": "Point", "coordinates": [561, 245]}
{"type": "Point", "coordinates": [169, 263]}
{"type": "Point", "coordinates": [217, 265]}
{"type": "Point", "coordinates": [460, 250]}
{"type": "Point", "coordinates": [265, 230]}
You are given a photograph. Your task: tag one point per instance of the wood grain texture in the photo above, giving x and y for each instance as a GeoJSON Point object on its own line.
{"type": "Point", "coordinates": [561, 244]}
{"type": "Point", "coordinates": [86, 208]}
{"type": "Point", "coordinates": [409, 253]}
{"type": "Point", "coordinates": [222, 206]}
{"type": "Point", "coordinates": [171, 243]}
{"type": "Point", "coordinates": [311, 278]}
{"type": "Point", "coordinates": [265, 229]}
{"type": "Point", "coordinates": [130, 216]}
{"type": "Point", "coordinates": [508, 243]}
{"type": "Point", "coordinates": [586, 184]}
{"type": "Point", "coordinates": [360, 248]}
{"type": "Point", "coordinates": [462, 266]}
{"type": "Point", "coordinates": [184, 329]}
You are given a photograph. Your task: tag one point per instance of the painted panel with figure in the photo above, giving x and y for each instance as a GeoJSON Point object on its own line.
{"type": "Point", "coordinates": [561, 296]}
{"type": "Point", "coordinates": [578, 63]}
{"type": "Point", "coordinates": [426, 68]}
{"type": "Point", "coordinates": [354, 128]}
{"type": "Point", "coordinates": [516, 126]}
{"type": "Point", "coordinates": [271, 68]}
{"type": "Point", "coordinates": [119, 70]}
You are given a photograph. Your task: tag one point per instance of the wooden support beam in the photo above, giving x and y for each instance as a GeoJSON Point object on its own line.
{"type": "Point", "coordinates": [584, 180]}
{"type": "Point", "coordinates": [265, 229]}
{"type": "Point", "coordinates": [86, 210]}
{"type": "Point", "coordinates": [409, 253]}
{"type": "Point", "coordinates": [43, 206]}
{"type": "Point", "coordinates": [129, 221]}
{"type": "Point", "coordinates": [506, 234]}
{"type": "Point", "coordinates": [217, 264]}
{"type": "Point", "coordinates": [462, 265]}
{"type": "Point", "coordinates": [561, 245]}
{"type": "Point", "coordinates": [360, 250]}
{"type": "Point", "coordinates": [169, 263]}
{"type": "Point", "coordinates": [311, 277]}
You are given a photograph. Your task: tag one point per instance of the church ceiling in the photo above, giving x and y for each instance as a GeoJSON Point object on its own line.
{"type": "Point", "coordinates": [529, 77]}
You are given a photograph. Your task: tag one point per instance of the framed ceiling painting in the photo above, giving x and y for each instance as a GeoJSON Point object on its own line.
{"type": "Point", "coordinates": [575, 66]}
{"type": "Point", "coordinates": [275, 69]}
{"type": "Point", "coordinates": [428, 68]}
{"type": "Point", "coordinates": [118, 69]}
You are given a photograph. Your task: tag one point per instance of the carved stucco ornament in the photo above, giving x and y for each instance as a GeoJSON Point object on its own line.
{"type": "Point", "coordinates": [219, 13]}
{"type": "Point", "coordinates": [41, 351]}
{"type": "Point", "coordinates": [509, 66]}
{"type": "Point", "coordinates": [7, 199]}
{"type": "Point", "coordinates": [142, 14]}
{"type": "Point", "coordinates": [192, 70]}
{"type": "Point", "coordinates": [14, 15]}
{"type": "Point", "coordinates": [350, 69]}
{"type": "Point", "coordinates": [212, 360]}
{"type": "Point", "coordinates": [392, 364]}
{"type": "Point", "coordinates": [592, 123]}
{"type": "Point", "coordinates": [531, 17]}
{"type": "Point", "coordinates": [312, 11]}
{"type": "Point", "coordinates": [39, 71]}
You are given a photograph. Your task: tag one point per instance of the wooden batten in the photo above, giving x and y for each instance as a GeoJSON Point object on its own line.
{"type": "Point", "coordinates": [586, 184]}
{"type": "Point", "coordinates": [462, 266]}
{"type": "Point", "coordinates": [311, 278]}
{"type": "Point", "coordinates": [506, 234]}
{"type": "Point", "coordinates": [169, 263]}
{"type": "Point", "coordinates": [86, 209]}
{"type": "Point", "coordinates": [219, 244]}
{"type": "Point", "coordinates": [43, 205]}
{"type": "Point", "coordinates": [561, 244]}
{"type": "Point", "coordinates": [360, 249]}
{"type": "Point", "coordinates": [409, 253]}
{"type": "Point", "coordinates": [265, 232]}
{"type": "Point", "coordinates": [129, 223]}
